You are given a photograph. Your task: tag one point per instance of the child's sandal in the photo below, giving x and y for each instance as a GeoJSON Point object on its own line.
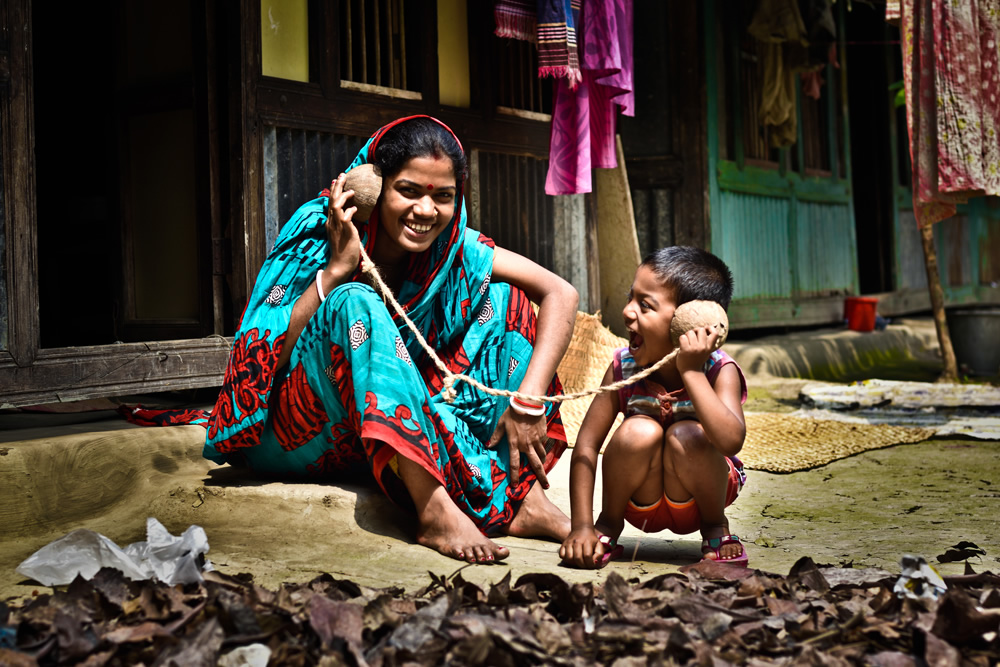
{"type": "Point", "coordinates": [612, 550]}
{"type": "Point", "coordinates": [715, 544]}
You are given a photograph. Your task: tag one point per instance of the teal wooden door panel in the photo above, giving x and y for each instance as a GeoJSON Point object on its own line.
{"type": "Point", "coordinates": [751, 236]}
{"type": "Point", "coordinates": [825, 250]}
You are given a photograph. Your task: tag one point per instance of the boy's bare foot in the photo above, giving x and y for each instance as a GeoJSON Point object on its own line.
{"type": "Point", "coordinates": [451, 533]}
{"type": "Point", "coordinates": [726, 551]}
{"type": "Point", "coordinates": [538, 517]}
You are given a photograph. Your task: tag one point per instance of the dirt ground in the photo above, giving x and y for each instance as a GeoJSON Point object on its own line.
{"type": "Point", "coordinates": [865, 511]}
{"type": "Point", "coordinates": [107, 476]}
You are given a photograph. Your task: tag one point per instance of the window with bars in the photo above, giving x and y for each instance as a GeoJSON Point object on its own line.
{"type": "Point", "coordinates": [819, 144]}
{"type": "Point", "coordinates": [755, 136]}
{"type": "Point", "coordinates": [380, 46]}
{"type": "Point", "coordinates": [519, 89]}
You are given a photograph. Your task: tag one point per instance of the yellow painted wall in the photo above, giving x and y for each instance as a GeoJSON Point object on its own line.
{"type": "Point", "coordinates": [453, 53]}
{"type": "Point", "coordinates": [284, 34]}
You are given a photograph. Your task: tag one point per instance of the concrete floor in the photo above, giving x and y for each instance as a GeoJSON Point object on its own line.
{"type": "Point", "coordinates": [865, 511]}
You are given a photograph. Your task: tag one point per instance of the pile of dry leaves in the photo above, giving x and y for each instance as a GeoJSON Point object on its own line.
{"type": "Point", "coordinates": [709, 614]}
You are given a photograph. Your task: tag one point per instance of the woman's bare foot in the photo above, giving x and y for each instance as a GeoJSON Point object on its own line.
{"type": "Point", "coordinates": [442, 526]}
{"type": "Point", "coordinates": [450, 532]}
{"type": "Point", "coordinates": [538, 517]}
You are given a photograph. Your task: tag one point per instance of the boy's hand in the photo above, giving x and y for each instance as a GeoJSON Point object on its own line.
{"type": "Point", "coordinates": [582, 548]}
{"type": "Point", "coordinates": [695, 347]}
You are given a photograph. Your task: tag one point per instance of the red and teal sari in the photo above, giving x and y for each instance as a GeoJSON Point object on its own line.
{"type": "Point", "coordinates": [359, 390]}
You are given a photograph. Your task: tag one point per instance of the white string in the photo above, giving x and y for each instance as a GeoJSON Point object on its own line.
{"type": "Point", "coordinates": [449, 393]}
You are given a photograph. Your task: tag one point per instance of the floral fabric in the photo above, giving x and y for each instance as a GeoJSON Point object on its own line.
{"type": "Point", "coordinates": [950, 61]}
{"type": "Point", "coordinates": [359, 390]}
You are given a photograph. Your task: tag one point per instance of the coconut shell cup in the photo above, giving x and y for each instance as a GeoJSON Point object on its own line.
{"type": "Point", "coordinates": [695, 314]}
{"type": "Point", "coordinates": [367, 186]}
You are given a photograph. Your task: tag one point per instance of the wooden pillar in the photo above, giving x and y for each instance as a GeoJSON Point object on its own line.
{"type": "Point", "coordinates": [950, 372]}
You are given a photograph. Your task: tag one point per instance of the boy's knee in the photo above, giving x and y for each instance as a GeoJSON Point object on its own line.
{"type": "Point", "coordinates": [640, 433]}
{"type": "Point", "coordinates": [687, 439]}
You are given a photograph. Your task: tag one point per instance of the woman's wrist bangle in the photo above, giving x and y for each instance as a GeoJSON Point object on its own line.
{"type": "Point", "coordinates": [319, 286]}
{"type": "Point", "coordinates": [524, 408]}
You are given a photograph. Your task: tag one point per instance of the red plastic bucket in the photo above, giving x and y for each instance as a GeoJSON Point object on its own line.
{"type": "Point", "coordinates": [859, 311]}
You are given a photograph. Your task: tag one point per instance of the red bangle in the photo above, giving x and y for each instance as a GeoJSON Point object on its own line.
{"type": "Point", "coordinates": [524, 408]}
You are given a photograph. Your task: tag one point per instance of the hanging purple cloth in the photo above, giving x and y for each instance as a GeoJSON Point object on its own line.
{"type": "Point", "coordinates": [583, 118]}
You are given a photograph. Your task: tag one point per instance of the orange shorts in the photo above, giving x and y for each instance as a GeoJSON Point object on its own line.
{"type": "Point", "coordinates": [681, 518]}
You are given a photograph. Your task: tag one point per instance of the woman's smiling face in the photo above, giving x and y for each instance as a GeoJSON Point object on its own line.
{"type": "Point", "coordinates": [416, 206]}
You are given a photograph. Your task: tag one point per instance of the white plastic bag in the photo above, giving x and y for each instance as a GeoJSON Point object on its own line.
{"type": "Point", "coordinates": [168, 558]}
{"type": "Point", "coordinates": [919, 579]}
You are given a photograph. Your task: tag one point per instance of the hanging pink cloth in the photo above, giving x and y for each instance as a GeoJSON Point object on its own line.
{"type": "Point", "coordinates": [584, 116]}
{"type": "Point", "coordinates": [951, 79]}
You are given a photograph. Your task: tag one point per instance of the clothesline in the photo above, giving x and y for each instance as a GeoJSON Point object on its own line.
{"type": "Point", "coordinates": [450, 378]}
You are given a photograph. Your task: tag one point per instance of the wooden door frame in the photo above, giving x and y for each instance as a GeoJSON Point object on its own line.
{"type": "Point", "coordinates": [28, 373]}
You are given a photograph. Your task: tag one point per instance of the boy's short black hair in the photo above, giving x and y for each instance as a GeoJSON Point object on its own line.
{"type": "Point", "coordinates": [692, 274]}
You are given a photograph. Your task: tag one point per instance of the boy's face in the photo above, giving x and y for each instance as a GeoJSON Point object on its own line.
{"type": "Point", "coordinates": [648, 314]}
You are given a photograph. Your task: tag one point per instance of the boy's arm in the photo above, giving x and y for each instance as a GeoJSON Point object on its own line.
{"type": "Point", "coordinates": [719, 408]}
{"type": "Point", "coordinates": [579, 547]}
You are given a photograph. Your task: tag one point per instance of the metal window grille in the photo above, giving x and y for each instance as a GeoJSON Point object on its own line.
{"type": "Point", "coordinates": [518, 85]}
{"type": "Point", "coordinates": [508, 204]}
{"type": "Point", "coordinates": [375, 47]}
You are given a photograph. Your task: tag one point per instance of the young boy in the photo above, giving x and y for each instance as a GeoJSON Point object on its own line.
{"type": "Point", "coordinates": [672, 464]}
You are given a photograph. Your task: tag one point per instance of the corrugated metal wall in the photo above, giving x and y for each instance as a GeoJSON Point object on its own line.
{"type": "Point", "coordinates": [911, 272]}
{"type": "Point", "coordinates": [4, 324]}
{"type": "Point", "coordinates": [825, 258]}
{"type": "Point", "coordinates": [758, 240]}
{"type": "Point", "coordinates": [968, 248]}
{"type": "Point", "coordinates": [511, 206]}
{"type": "Point", "coordinates": [752, 237]}
{"type": "Point", "coordinates": [654, 218]}
{"type": "Point", "coordinates": [298, 164]}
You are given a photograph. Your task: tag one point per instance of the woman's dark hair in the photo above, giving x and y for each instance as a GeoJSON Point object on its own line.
{"type": "Point", "coordinates": [692, 274]}
{"type": "Point", "coordinates": [418, 137]}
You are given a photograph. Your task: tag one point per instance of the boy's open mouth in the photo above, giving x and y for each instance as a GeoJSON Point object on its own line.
{"type": "Point", "coordinates": [634, 340]}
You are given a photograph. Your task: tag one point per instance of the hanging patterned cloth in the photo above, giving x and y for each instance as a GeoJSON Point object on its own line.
{"type": "Point", "coordinates": [950, 74]}
{"type": "Point", "coordinates": [584, 116]}
{"type": "Point", "coordinates": [551, 24]}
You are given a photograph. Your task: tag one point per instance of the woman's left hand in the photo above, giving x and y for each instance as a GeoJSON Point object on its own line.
{"type": "Point", "coordinates": [525, 434]}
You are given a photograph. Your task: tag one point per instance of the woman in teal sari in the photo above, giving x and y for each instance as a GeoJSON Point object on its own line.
{"type": "Point", "coordinates": [322, 378]}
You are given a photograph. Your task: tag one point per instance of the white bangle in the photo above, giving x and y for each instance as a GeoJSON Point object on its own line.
{"type": "Point", "coordinates": [319, 286]}
{"type": "Point", "coordinates": [522, 409]}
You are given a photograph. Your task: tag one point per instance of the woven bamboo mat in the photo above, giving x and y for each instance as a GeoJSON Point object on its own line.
{"type": "Point", "coordinates": [783, 443]}
{"type": "Point", "coordinates": [775, 442]}
{"type": "Point", "coordinates": [583, 366]}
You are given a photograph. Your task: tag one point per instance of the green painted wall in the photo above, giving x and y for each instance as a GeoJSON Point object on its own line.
{"type": "Point", "coordinates": [789, 239]}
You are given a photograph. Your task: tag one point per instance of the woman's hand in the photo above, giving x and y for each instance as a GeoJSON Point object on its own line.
{"type": "Point", "coordinates": [525, 434]}
{"type": "Point", "coordinates": [582, 548]}
{"type": "Point", "coordinates": [695, 347]}
{"type": "Point", "coordinates": [345, 244]}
